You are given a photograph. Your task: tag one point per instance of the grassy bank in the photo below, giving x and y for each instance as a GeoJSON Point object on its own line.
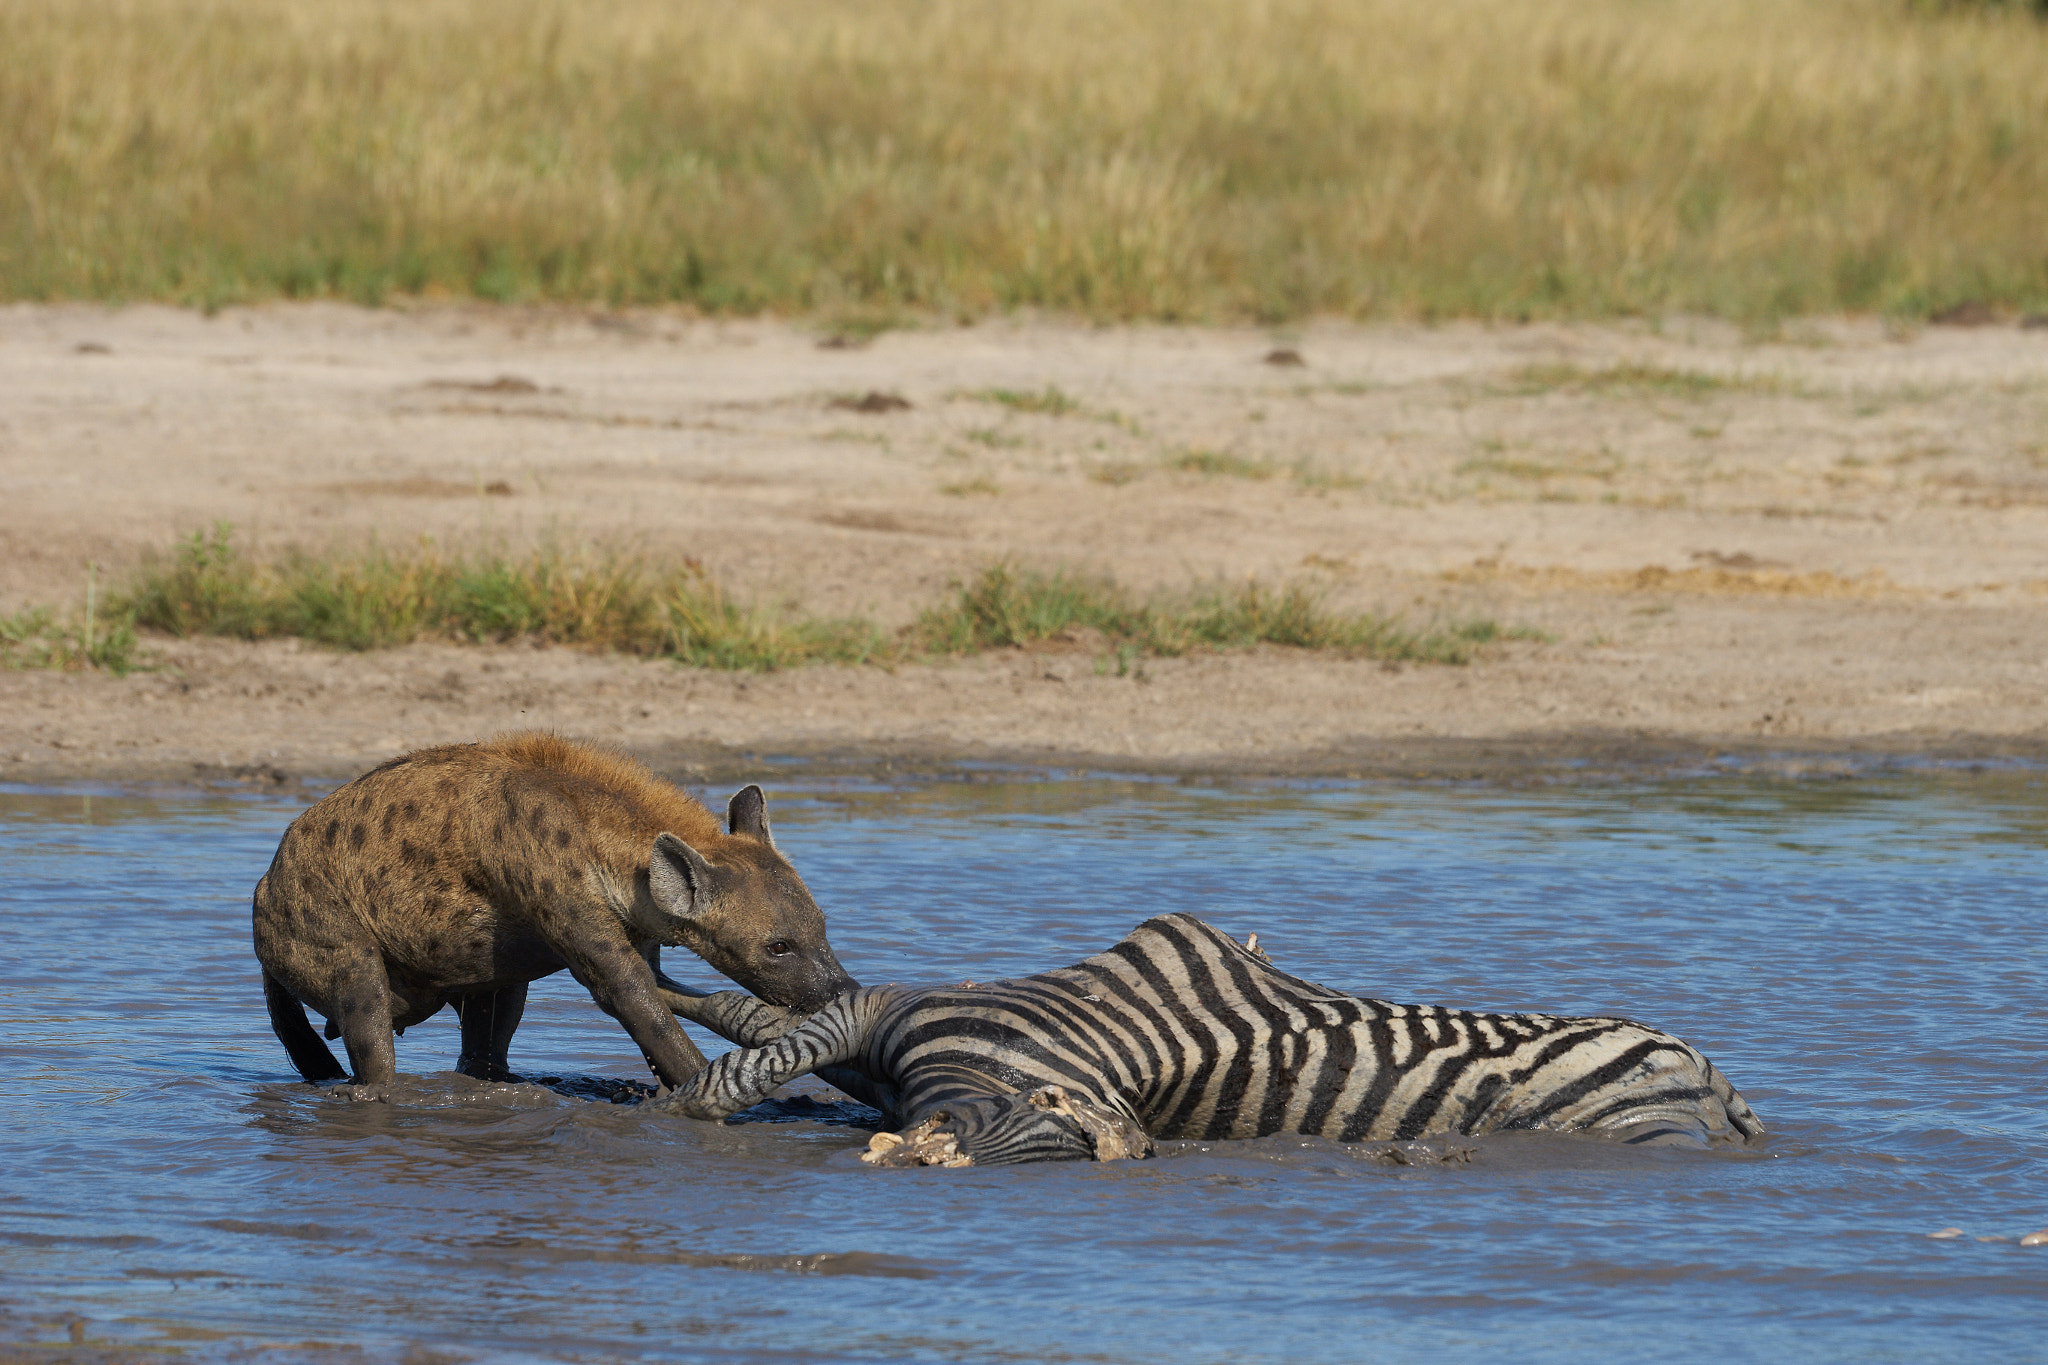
{"type": "Point", "coordinates": [620, 602]}
{"type": "Point", "coordinates": [1203, 159]}
{"type": "Point", "coordinates": [38, 638]}
{"type": "Point", "coordinates": [1003, 606]}
{"type": "Point", "coordinates": [597, 598]}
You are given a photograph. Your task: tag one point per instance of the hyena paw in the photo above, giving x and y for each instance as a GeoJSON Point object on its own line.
{"type": "Point", "coordinates": [928, 1144]}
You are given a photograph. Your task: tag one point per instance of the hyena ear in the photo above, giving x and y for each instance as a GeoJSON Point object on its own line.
{"type": "Point", "coordinates": [678, 877]}
{"type": "Point", "coordinates": [748, 815]}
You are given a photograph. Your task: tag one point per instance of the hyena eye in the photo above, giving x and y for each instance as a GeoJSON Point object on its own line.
{"type": "Point", "coordinates": [780, 948]}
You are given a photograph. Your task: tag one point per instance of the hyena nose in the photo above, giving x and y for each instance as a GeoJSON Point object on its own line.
{"type": "Point", "coordinates": [831, 981]}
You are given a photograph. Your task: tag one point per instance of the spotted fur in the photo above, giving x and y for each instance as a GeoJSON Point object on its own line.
{"type": "Point", "coordinates": [456, 875]}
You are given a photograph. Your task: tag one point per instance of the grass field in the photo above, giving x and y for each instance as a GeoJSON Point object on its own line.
{"type": "Point", "coordinates": [607, 599]}
{"type": "Point", "coordinates": [1203, 159]}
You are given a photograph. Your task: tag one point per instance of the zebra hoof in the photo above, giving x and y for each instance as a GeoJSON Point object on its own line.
{"type": "Point", "coordinates": [924, 1145]}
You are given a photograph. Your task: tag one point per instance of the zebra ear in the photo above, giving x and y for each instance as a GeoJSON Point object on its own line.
{"type": "Point", "coordinates": [748, 815]}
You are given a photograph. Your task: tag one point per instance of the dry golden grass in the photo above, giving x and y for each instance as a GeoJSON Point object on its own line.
{"type": "Point", "coordinates": [1199, 158]}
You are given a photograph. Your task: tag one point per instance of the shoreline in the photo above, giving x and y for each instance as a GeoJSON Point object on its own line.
{"type": "Point", "coordinates": [1823, 552]}
{"type": "Point", "coordinates": [1601, 761]}
{"type": "Point", "coordinates": [225, 739]}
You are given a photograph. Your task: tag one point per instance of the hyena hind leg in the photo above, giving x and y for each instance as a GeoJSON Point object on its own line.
{"type": "Point", "coordinates": [488, 1021]}
{"type": "Point", "coordinates": [288, 1019]}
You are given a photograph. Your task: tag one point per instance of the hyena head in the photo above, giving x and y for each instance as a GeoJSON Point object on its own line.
{"type": "Point", "coordinates": [742, 908]}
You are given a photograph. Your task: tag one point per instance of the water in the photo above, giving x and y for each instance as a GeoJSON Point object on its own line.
{"type": "Point", "coordinates": [1864, 959]}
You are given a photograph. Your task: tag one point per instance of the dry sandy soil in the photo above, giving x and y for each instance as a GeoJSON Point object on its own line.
{"type": "Point", "coordinates": [1822, 548]}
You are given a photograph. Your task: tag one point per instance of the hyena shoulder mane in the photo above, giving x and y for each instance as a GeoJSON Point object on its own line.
{"type": "Point", "coordinates": [613, 790]}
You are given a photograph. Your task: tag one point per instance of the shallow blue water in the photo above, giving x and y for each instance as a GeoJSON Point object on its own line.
{"type": "Point", "coordinates": [1865, 960]}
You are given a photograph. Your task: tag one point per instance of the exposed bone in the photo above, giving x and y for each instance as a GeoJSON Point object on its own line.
{"type": "Point", "coordinates": [1116, 1138]}
{"type": "Point", "coordinates": [924, 1145]}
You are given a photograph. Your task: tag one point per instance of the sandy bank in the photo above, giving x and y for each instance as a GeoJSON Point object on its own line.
{"type": "Point", "coordinates": [1832, 545]}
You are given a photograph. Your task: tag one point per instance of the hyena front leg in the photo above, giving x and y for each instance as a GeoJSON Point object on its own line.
{"type": "Point", "coordinates": [361, 993]}
{"type": "Point", "coordinates": [620, 981]}
{"type": "Point", "coordinates": [488, 1020]}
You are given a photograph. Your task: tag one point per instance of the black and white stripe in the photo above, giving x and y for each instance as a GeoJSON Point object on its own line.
{"type": "Point", "coordinates": [1180, 1032]}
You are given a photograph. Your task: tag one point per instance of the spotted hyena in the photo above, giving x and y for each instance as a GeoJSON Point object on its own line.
{"type": "Point", "coordinates": [455, 875]}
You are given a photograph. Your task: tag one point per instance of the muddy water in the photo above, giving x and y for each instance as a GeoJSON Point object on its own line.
{"type": "Point", "coordinates": [1865, 959]}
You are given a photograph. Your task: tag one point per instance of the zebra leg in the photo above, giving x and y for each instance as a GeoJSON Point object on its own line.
{"type": "Point", "coordinates": [733, 1015]}
{"type": "Point", "coordinates": [834, 1035]}
{"type": "Point", "coordinates": [739, 1018]}
{"type": "Point", "coordinates": [1050, 1123]}
{"type": "Point", "coordinates": [1743, 1124]}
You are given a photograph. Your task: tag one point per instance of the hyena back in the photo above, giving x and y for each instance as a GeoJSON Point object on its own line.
{"type": "Point", "coordinates": [457, 874]}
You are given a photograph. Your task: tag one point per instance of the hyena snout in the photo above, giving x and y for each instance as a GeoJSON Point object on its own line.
{"type": "Point", "coordinates": [829, 982]}
{"type": "Point", "coordinates": [804, 978]}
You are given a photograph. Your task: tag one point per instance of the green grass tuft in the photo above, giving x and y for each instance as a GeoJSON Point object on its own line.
{"type": "Point", "coordinates": [1048, 401]}
{"type": "Point", "coordinates": [34, 638]}
{"type": "Point", "coordinates": [597, 598]}
{"type": "Point", "coordinates": [604, 599]}
{"type": "Point", "coordinates": [1003, 606]}
{"type": "Point", "coordinates": [1637, 377]}
{"type": "Point", "coordinates": [981, 486]}
{"type": "Point", "coordinates": [710, 630]}
{"type": "Point", "coordinates": [1221, 464]}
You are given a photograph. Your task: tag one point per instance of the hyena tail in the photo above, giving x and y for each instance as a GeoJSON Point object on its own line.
{"type": "Point", "coordinates": [288, 1018]}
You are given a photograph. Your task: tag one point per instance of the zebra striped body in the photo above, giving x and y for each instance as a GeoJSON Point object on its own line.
{"type": "Point", "coordinates": [1180, 1032]}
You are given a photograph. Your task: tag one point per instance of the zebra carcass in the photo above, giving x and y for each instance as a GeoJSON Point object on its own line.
{"type": "Point", "coordinates": [1180, 1032]}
